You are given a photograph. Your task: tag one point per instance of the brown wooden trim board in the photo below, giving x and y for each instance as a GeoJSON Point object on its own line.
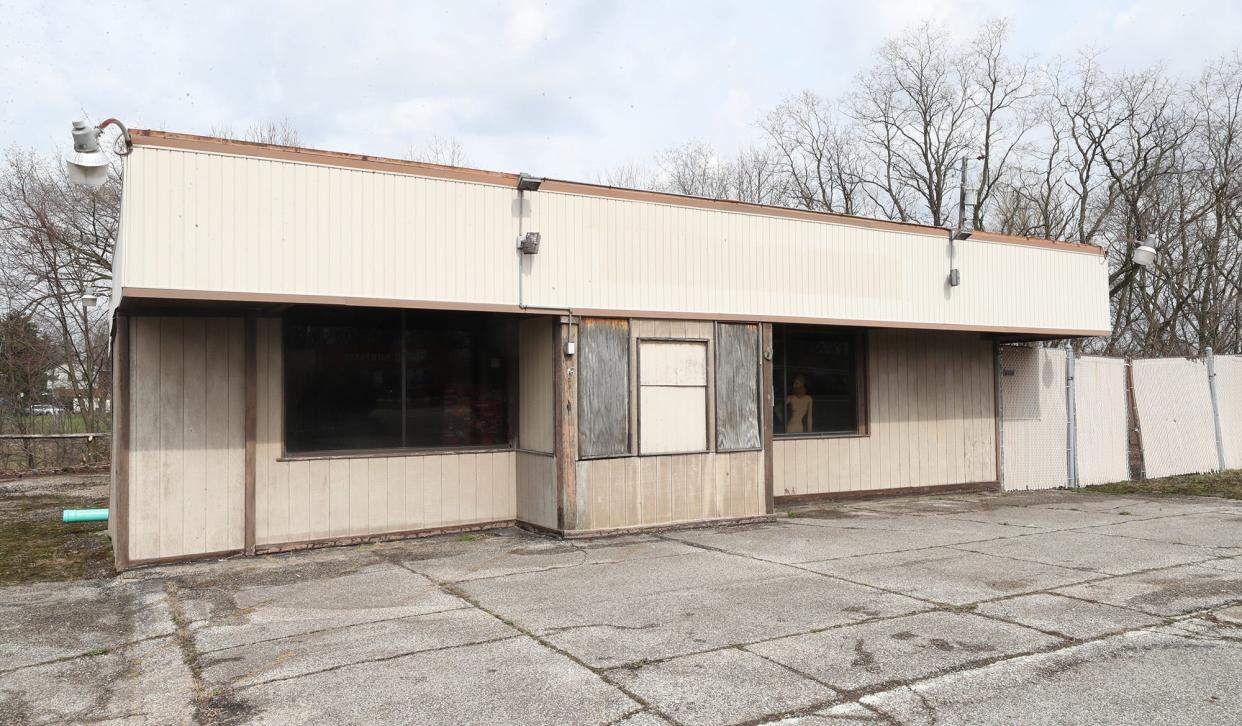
{"type": "Point", "coordinates": [149, 293]}
{"type": "Point", "coordinates": [120, 441]}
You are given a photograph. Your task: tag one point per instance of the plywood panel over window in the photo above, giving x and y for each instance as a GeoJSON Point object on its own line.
{"type": "Point", "coordinates": [672, 403]}
{"type": "Point", "coordinates": [737, 387]}
{"type": "Point", "coordinates": [603, 387]}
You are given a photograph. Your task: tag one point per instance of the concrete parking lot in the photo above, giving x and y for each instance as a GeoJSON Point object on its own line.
{"type": "Point", "coordinates": [1034, 608]}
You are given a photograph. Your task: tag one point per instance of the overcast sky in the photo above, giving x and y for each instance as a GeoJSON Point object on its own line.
{"type": "Point", "coordinates": [562, 89]}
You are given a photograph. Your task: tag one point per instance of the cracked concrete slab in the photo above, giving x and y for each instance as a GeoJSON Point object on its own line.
{"type": "Point", "coordinates": [1222, 531]}
{"type": "Point", "coordinates": [844, 714]}
{"type": "Point", "coordinates": [145, 682]}
{"type": "Point", "coordinates": [1143, 677]}
{"type": "Point", "coordinates": [951, 576]}
{"type": "Point", "coordinates": [1231, 564]}
{"type": "Point", "coordinates": [721, 687]}
{"type": "Point", "coordinates": [517, 555]}
{"type": "Point", "coordinates": [70, 619]}
{"type": "Point", "coordinates": [870, 655]}
{"type": "Point", "coordinates": [1091, 551]}
{"type": "Point", "coordinates": [643, 718]}
{"type": "Point", "coordinates": [509, 681]}
{"type": "Point", "coordinates": [1167, 592]}
{"type": "Point", "coordinates": [807, 540]}
{"type": "Point", "coordinates": [230, 614]}
{"type": "Point", "coordinates": [1067, 616]}
{"type": "Point", "coordinates": [299, 655]}
{"type": "Point", "coordinates": [1045, 518]}
{"type": "Point", "coordinates": [616, 632]}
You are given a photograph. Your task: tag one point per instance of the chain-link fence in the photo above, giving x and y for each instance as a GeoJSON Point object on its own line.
{"type": "Point", "coordinates": [1069, 421]}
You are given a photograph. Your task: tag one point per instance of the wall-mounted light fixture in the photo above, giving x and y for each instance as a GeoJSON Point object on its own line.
{"type": "Point", "coordinates": [528, 183]}
{"type": "Point", "coordinates": [87, 165]}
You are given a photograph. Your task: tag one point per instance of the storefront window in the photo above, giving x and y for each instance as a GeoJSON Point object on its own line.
{"type": "Point", "coordinates": [817, 379]}
{"type": "Point", "coordinates": [360, 378]}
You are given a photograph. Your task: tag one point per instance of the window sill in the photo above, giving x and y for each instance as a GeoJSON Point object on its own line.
{"type": "Point", "coordinates": [825, 435]}
{"type": "Point", "coordinates": [393, 453]}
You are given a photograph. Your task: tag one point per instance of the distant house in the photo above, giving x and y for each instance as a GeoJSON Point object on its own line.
{"type": "Point", "coordinates": [315, 347]}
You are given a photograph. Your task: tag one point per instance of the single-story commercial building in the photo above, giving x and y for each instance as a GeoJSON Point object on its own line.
{"type": "Point", "coordinates": [314, 347]}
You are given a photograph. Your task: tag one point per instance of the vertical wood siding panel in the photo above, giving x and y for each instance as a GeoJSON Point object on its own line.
{"type": "Point", "coordinates": [172, 454]}
{"type": "Point", "coordinates": [146, 422]}
{"type": "Point", "coordinates": [194, 470]}
{"type": "Point", "coordinates": [603, 397]}
{"type": "Point", "coordinates": [339, 495]}
{"type": "Point", "coordinates": [377, 495]}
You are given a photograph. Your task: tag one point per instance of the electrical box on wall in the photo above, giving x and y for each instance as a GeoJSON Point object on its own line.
{"type": "Point", "coordinates": [570, 347]}
{"type": "Point", "coordinates": [529, 243]}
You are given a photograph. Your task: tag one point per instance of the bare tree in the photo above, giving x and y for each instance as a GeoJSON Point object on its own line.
{"type": "Point", "coordinates": [914, 108]}
{"type": "Point", "coordinates": [56, 241]}
{"type": "Point", "coordinates": [818, 158]}
{"type": "Point", "coordinates": [447, 151]}
{"type": "Point", "coordinates": [280, 132]}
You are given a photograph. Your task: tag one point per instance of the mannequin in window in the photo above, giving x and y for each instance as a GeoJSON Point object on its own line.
{"type": "Point", "coordinates": [798, 405]}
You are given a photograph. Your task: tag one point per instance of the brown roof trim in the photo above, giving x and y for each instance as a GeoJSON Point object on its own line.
{"type": "Point", "coordinates": [150, 293]}
{"type": "Point", "coordinates": [209, 144]}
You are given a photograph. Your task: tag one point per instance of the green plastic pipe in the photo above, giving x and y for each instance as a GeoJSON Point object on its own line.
{"type": "Point", "coordinates": [85, 515]}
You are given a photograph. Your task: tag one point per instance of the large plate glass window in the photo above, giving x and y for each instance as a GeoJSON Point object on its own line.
{"type": "Point", "coordinates": [359, 378]}
{"type": "Point", "coordinates": [818, 379]}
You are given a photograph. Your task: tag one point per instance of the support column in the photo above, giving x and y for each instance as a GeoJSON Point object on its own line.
{"type": "Point", "coordinates": [119, 513]}
{"type": "Point", "coordinates": [565, 442]}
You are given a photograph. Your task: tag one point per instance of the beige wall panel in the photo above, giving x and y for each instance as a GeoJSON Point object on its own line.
{"type": "Point", "coordinates": [1102, 412]}
{"type": "Point", "coordinates": [536, 414]}
{"type": "Point", "coordinates": [1229, 395]}
{"type": "Point", "coordinates": [1033, 406]}
{"type": "Point", "coordinates": [669, 363]}
{"type": "Point", "coordinates": [306, 499]}
{"type": "Point", "coordinates": [204, 221]}
{"type": "Point", "coordinates": [536, 489]}
{"type": "Point", "coordinates": [931, 421]}
{"type": "Point", "coordinates": [655, 490]}
{"type": "Point", "coordinates": [1175, 415]}
{"type": "Point", "coordinates": [186, 488]}
{"type": "Point", "coordinates": [672, 419]}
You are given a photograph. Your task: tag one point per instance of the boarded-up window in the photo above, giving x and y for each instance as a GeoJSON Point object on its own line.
{"type": "Point", "coordinates": [672, 396]}
{"type": "Point", "coordinates": [737, 387]}
{"type": "Point", "coordinates": [603, 387]}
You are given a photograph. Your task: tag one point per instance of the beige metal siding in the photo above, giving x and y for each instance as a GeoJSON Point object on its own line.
{"type": "Point", "coordinates": [307, 499]}
{"type": "Point", "coordinates": [616, 254]}
{"type": "Point", "coordinates": [536, 347]}
{"type": "Point", "coordinates": [200, 221]}
{"type": "Point", "coordinates": [186, 484]}
{"type": "Point", "coordinates": [931, 421]}
{"type": "Point", "coordinates": [536, 489]}
{"type": "Point", "coordinates": [221, 223]}
{"type": "Point", "coordinates": [1175, 415]}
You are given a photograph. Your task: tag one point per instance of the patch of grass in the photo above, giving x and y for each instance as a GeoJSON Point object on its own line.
{"type": "Point", "coordinates": [35, 546]}
{"type": "Point", "coordinates": [1226, 484]}
{"type": "Point", "coordinates": [469, 537]}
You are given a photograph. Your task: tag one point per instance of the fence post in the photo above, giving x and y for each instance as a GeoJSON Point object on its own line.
{"type": "Point", "coordinates": [1071, 421]}
{"type": "Point", "coordinates": [1220, 439]}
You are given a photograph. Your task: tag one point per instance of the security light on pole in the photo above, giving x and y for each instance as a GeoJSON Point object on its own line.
{"type": "Point", "coordinates": [87, 165]}
{"type": "Point", "coordinates": [1144, 254]}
